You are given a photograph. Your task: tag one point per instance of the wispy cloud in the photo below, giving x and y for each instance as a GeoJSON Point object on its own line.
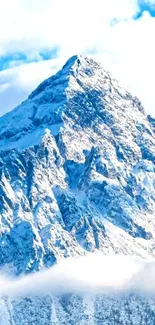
{"type": "Point", "coordinates": [93, 274]}
{"type": "Point", "coordinates": [34, 25]}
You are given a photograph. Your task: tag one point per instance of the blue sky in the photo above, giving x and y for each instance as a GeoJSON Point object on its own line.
{"type": "Point", "coordinates": [146, 6]}
{"type": "Point", "coordinates": [16, 59]}
{"type": "Point", "coordinates": [36, 38]}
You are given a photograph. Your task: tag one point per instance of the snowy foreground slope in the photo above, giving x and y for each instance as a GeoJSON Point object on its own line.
{"type": "Point", "coordinates": [78, 310]}
{"type": "Point", "coordinates": [77, 175]}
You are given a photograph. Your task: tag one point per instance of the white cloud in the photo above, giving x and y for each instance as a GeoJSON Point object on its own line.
{"type": "Point", "coordinates": [126, 47]}
{"type": "Point", "coordinates": [32, 25]}
{"type": "Point", "coordinates": [94, 273]}
{"type": "Point", "coordinates": [130, 57]}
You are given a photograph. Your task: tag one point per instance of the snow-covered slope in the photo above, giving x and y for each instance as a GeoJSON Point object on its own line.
{"type": "Point", "coordinates": [78, 310]}
{"type": "Point", "coordinates": [77, 171]}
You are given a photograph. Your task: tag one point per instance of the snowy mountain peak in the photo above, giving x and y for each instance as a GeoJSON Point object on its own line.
{"type": "Point", "coordinates": [82, 93]}
{"type": "Point", "coordinates": [77, 165]}
{"type": "Point", "coordinates": [77, 175]}
{"type": "Point", "coordinates": [74, 60]}
{"type": "Point", "coordinates": [81, 62]}
{"type": "Point", "coordinates": [74, 67]}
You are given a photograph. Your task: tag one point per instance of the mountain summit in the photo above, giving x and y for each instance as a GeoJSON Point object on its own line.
{"type": "Point", "coordinates": [82, 93]}
{"type": "Point", "coordinates": [77, 171]}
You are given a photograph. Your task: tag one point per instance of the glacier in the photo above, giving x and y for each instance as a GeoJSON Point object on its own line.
{"type": "Point", "coordinates": [77, 176]}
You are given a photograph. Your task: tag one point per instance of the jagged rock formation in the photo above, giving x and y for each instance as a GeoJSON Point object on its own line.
{"type": "Point", "coordinates": [77, 172]}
